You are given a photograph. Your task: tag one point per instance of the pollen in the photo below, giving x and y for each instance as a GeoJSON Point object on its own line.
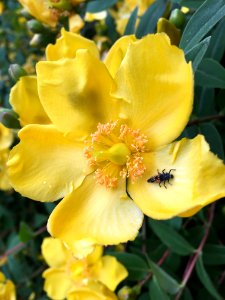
{"type": "Point", "coordinates": [115, 151]}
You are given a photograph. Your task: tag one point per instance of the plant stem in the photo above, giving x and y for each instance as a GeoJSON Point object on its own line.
{"type": "Point", "coordinates": [205, 119]}
{"type": "Point", "coordinates": [191, 263]}
{"type": "Point", "coordinates": [21, 245]}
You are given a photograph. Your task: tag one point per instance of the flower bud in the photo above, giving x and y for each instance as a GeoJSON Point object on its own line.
{"type": "Point", "coordinates": [177, 18]}
{"type": "Point", "coordinates": [16, 71]}
{"type": "Point", "coordinates": [9, 118]}
{"type": "Point", "coordinates": [35, 26]}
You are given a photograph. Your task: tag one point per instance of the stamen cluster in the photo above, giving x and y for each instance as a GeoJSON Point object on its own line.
{"type": "Point", "coordinates": [99, 153]}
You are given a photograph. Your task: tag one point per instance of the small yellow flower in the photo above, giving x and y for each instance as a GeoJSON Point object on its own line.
{"type": "Point", "coordinates": [111, 122]}
{"type": "Point", "coordinates": [95, 274]}
{"type": "Point", "coordinates": [42, 10]}
{"type": "Point", "coordinates": [7, 288]}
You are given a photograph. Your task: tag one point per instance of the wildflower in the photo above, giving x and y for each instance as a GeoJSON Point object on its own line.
{"type": "Point", "coordinates": [111, 123]}
{"type": "Point", "coordinates": [94, 275]}
{"type": "Point", "coordinates": [7, 288]}
{"type": "Point", "coordinates": [49, 11]}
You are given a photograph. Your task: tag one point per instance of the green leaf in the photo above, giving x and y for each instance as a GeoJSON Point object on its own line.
{"type": "Point", "coordinates": [155, 291]}
{"type": "Point", "coordinates": [136, 266]}
{"type": "Point", "coordinates": [165, 281]}
{"type": "Point", "coordinates": [171, 238]}
{"type": "Point", "coordinates": [25, 233]}
{"type": "Point", "coordinates": [130, 28]}
{"type": "Point", "coordinates": [206, 105]}
{"type": "Point", "coordinates": [203, 20]}
{"type": "Point", "coordinates": [217, 44]}
{"type": "Point", "coordinates": [197, 53]}
{"type": "Point", "coordinates": [99, 5]}
{"type": "Point", "coordinates": [210, 73]}
{"type": "Point", "coordinates": [214, 255]}
{"type": "Point", "coordinates": [150, 18]}
{"type": "Point", "coordinates": [205, 279]}
{"type": "Point", "coordinates": [213, 138]}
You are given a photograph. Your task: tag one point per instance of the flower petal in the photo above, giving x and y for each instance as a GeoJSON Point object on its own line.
{"type": "Point", "coordinates": [107, 216]}
{"type": "Point", "coordinates": [92, 290]}
{"type": "Point", "coordinates": [117, 53]}
{"type": "Point", "coordinates": [57, 283]}
{"type": "Point", "coordinates": [199, 178]}
{"type": "Point", "coordinates": [54, 252]}
{"type": "Point", "coordinates": [45, 166]}
{"type": "Point", "coordinates": [67, 45]}
{"type": "Point", "coordinates": [40, 10]}
{"type": "Point", "coordinates": [4, 178]}
{"type": "Point", "coordinates": [6, 137]}
{"type": "Point", "coordinates": [109, 271]}
{"type": "Point", "coordinates": [157, 84]}
{"type": "Point", "coordinates": [26, 103]}
{"type": "Point", "coordinates": [75, 93]}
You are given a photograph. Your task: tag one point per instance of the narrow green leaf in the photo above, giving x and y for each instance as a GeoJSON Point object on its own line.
{"type": "Point", "coordinates": [136, 266]}
{"type": "Point", "coordinates": [210, 73]}
{"type": "Point", "coordinates": [155, 291]}
{"type": "Point", "coordinates": [171, 238]}
{"type": "Point", "coordinates": [165, 281]}
{"type": "Point", "coordinates": [130, 28]}
{"type": "Point", "coordinates": [217, 44]}
{"type": "Point", "coordinates": [213, 137]}
{"type": "Point", "coordinates": [150, 18]}
{"type": "Point", "coordinates": [214, 255]}
{"type": "Point", "coordinates": [99, 5]}
{"type": "Point", "coordinates": [205, 279]}
{"type": "Point", "coordinates": [203, 20]}
{"type": "Point", "coordinates": [25, 233]}
{"type": "Point", "coordinates": [197, 53]}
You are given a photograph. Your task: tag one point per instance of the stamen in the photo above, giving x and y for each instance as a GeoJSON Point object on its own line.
{"type": "Point", "coordinates": [114, 151]}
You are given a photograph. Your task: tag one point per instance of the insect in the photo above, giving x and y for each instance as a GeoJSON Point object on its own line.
{"type": "Point", "coordinates": [162, 177]}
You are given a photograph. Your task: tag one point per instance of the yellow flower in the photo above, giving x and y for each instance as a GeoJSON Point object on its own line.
{"type": "Point", "coordinates": [110, 124]}
{"type": "Point", "coordinates": [1, 7]}
{"type": "Point", "coordinates": [42, 10]}
{"type": "Point", "coordinates": [95, 275]}
{"type": "Point", "coordinates": [7, 288]}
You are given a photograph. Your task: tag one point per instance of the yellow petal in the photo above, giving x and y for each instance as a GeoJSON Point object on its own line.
{"type": "Point", "coordinates": [67, 45]}
{"type": "Point", "coordinates": [75, 93]}
{"type": "Point", "coordinates": [40, 10]}
{"type": "Point", "coordinates": [95, 255]}
{"type": "Point", "coordinates": [109, 271]}
{"type": "Point", "coordinates": [107, 216]}
{"type": "Point", "coordinates": [157, 84]}
{"type": "Point", "coordinates": [6, 137]}
{"type": "Point", "coordinates": [57, 283]}
{"type": "Point", "coordinates": [83, 248]}
{"type": "Point", "coordinates": [199, 178]}
{"type": "Point", "coordinates": [45, 166]}
{"type": "Point", "coordinates": [4, 178]}
{"type": "Point", "coordinates": [117, 52]}
{"type": "Point", "coordinates": [7, 288]}
{"type": "Point", "coordinates": [54, 252]}
{"type": "Point", "coordinates": [26, 103]}
{"type": "Point", "coordinates": [92, 290]}
{"type": "Point", "coordinates": [76, 23]}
